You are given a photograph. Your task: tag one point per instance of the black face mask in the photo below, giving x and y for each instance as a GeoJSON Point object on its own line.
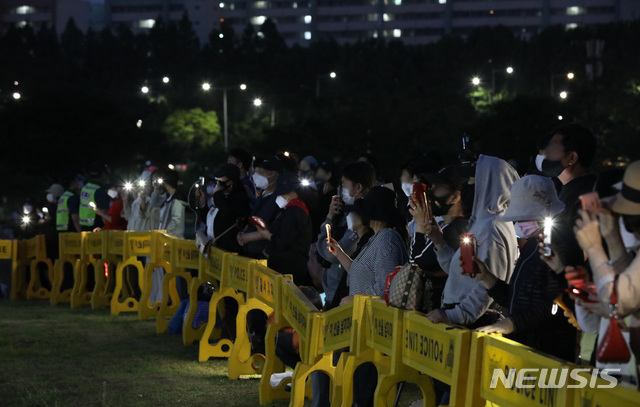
{"type": "Point", "coordinates": [631, 223]}
{"type": "Point", "coordinates": [552, 168]}
{"type": "Point", "coordinates": [439, 207]}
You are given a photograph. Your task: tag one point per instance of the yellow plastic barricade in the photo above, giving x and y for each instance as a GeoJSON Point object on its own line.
{"type": "Point", "coordinates": [439, 351]}
{"type": "Point", "coordinates": [493, 355]}
{"type": "Point", "coordinates": [36, 254]}
{"type": "Point", "coordinates": [160, 257]}
{"type": "Point", "coordinates": [135, 244]}
{"type": "Point", "coordinates": [189, 333]}
{"type": "Point", "coordinates": [299, 313]}
{"type": "Point", "coordinates": [216, 269]}
{"type": "Point", "coordinates": [70, 247]}
{"type": "Point", "coordinates": [184, 255]}
{"type": "Point", "coordinates": [9, 251]}
{"type": "Point", "coordinates": [94, 246]}
{"type": "Point", "coordinates": [261, 296]}
{"type": "Point", "coordinates": [603, 395]}
{"type": "Point", "coordinates": [105, 268]}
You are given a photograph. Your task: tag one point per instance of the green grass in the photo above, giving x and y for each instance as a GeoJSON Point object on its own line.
{"type": "Point", "coordinates": [55, 356]}
{"type": "Point", "coordinates": [59, 357]}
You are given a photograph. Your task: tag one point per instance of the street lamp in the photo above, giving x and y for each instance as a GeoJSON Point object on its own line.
{"type": "Point", "coordinates": [16, 95]}
{"type": "Point", "coordinates": [569, 76]}
{"type": "Point", "coordinates": [332, 75]}
{"type": "Point", "coordinates": [145, 89]}
{"type": "Point", "coordinates": [257, 102]}
{"type": "Point", "coordinates": [165, 79]}
{"type": "Point", "coordinates": [475, 81]}
{"type": "Point", "coordinates": [206, 86]}
{"type": "Point", "coordinates": [225, 111]}
{"type": "Point", "coordinates": [509, 70]}
{"type": "Point", "coordinates": [243, 86]}
{"type": "Point", "coordinates": [563, 95]}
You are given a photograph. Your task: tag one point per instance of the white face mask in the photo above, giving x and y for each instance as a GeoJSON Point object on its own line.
{"type": "Point", "coordinates": [50, 198]}
{"type": "Point", "coordinates": [261, 181]}
{"type": "Point", "coordinates": [539, 160]}
{"type": "Point", "coordinates": [210, 189]}
{"type": "Point", "coordinates": [112, 193]}
{"type": "Point", "coordinates": [350, 221]}
{"type": "Point", "coordinates": [346, 198]}
{"type": "Point", "coordinates": [27, 209]}
{"type": "Point", "coordinates": [281, 202]}
{"type": "Point", "coordinates": [525, 230]}
{"type": "Point", "coordinates": [407, 188]}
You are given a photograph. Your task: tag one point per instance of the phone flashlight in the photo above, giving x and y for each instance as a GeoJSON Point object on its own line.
{"type": "Point", "coordinates": [548, 226]}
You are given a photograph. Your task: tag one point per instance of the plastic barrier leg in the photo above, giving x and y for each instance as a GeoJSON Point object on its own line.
{"type": "Point", "coordinates": [103, 291]}
{"type": "Point", "coordinates": [80, 295]}
{"type": "Point", "coordinates": [18, 281]}
{"type": "Point", "coordinates": [170, 302]}
{"type": "Point", "coordinates": [272, 364]}
{"type": "Point", "coordinates": [147, 310]}
{"type": "Point", "coordinates": [35, 289]}
{"type": "Point", "coordinates": [241, 362]}
{"type": "Point", "coordinates": [129, 304]}
{"type": "Point", "coordinates": [387, 385]}
{"type": "Point", "coordinates": [58, 295]}
{"type": "Point", "coordinates": [222, 348]}
{"type": "Point", "coordinates": [351, 363]}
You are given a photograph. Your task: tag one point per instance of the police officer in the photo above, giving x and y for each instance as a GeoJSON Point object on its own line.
{"type": "Point", "coordinates": [68, 210]}
{"type": "Point", "coordinates": [94, 193]}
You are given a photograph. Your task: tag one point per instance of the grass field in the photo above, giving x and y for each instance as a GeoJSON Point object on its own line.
{"type": "Point", "coordinates": [59, 357]}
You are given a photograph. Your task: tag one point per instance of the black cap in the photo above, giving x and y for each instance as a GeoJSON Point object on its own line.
{"type": "Point", "coordinates": [380, 204]}
{"type": "Point", "coordinates": [227, 170]}
{"type": "Point", "coordinates": [287, 182]}
{"type": "Point", "coordinates": [269, 163]}
{"type": "Point", "coordinates": [449, 176]}
{"type": "Point", "coordinates": [98, 167]}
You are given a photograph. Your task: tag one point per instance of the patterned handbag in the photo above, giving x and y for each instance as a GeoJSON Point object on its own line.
{"type": "Point", "coordinates": [405, 287]}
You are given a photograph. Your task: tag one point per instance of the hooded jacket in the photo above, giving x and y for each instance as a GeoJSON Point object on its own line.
{"type": "Point", "coordinates": [496, 239]}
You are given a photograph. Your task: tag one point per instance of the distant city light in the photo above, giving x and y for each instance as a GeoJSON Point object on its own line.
{"type": "Point", "coordinates": [509, 70]}
{"type": "Point", "coordinates": [221, 5]}
{"type": "Point", "coordinates": [560, 117]}
{"type": "Point", "coordinates": [139, 123]}
{"type": "Point", "coordinates": [307, 35]}
{"type": "Point", "coordinates": [145, 89]}
{"type": "Point", "coordinates": [221, 35]}
{"type": "Point", "coordinates": [563, 95]}
{"type": "Point", "coordinates": [243, 86]}
{"type": "Point", "coordinates": [475, 81]}
{"type": "Point", "coordinates": [171, 167]}
{"type": "Point", "coordinates": [206, 86]}
{"type": "Point", "coordinates": [257, 102]}
{"type": "Point", "coordinates": [333, 75]}
{"type": "Point", "coordinates": [570, 75]}
{"type": "Point", "coordinates": [16, 95]}
{"type": "Point", "coordinates": [165, 79]}
{"type": "Point", "coordinates": [307, 19]}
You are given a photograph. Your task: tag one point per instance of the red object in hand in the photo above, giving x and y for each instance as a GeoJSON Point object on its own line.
{"type": "Point", "coordinates": [468, 247]}
{"type": "Point", "coordinates": [591, 203]}
{"type": "Point", "coordinates": [257, 222]}
{"type": "Point", "coordinates": [580, 293]}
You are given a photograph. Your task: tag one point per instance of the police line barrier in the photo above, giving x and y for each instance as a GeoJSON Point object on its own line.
{"type": "Point", "coordinates": [403, 345]}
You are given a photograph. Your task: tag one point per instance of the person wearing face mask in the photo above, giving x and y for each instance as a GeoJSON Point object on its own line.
{"type": "Point", "coordinates": [358, 179]}
{"type": "Point", "coordinates": [530, 294]}
{"type": "Point", "coordinates": [265, 177]}
{"type": "Point", "coordinates": [289, 237]}
{"type": "Point", "coordinates": [156, 201]}
{"type": "Point", "coordinates": [307, 168]}
{"type": "Point", "coordinates": [568, 155]}
{"type": "Point", "coordinates": [244, 161]}
{"type": "Point", "coordinates": [113, 219]}
{"type": "Point", "coordinates": [230, 204]}
{"type": "Point", "coordinates": [618, 268]}
{"type": "Point", "coordinates": [445, 199]}
{"type": "Point", "coordinates": [135, 212]}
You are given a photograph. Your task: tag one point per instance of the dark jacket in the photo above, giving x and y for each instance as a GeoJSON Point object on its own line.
{"type": "Point", "coordinates": [267, 210]}
{"type": "Point", "coordinates": [563, 237]}
{"type": "Point", "coordinates": [230, 208]}
{"type": "Point", "coordinates": [529, 298]}
{"type": "Point", "coordinates": [288, 249]}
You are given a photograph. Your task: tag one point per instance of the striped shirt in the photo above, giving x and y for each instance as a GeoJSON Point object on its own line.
{"type": "Point", "coordinates": [379, 257]}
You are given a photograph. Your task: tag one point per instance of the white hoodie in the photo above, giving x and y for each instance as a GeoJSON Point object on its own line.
{"type": "Point", "coordinates": [496, 239]}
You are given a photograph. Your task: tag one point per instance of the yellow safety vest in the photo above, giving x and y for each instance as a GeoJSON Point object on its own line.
{"type": "Point", "coordinates": [87, 195]}
{"type": "Point", "coordinates": [62, 213]}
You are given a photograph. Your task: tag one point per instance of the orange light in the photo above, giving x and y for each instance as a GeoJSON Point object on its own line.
{"type": "Point", "coordinates": [222, 20]}
{"type": "Point", "coordinates": [575, 291]}
{"type": "Point", "coordinates": [106, 270]}
{"type": "Point", "coordinates": [491, 12]}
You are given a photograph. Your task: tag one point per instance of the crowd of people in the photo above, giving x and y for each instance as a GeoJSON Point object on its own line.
{"type": "Point", "coordinates": [542, 240]}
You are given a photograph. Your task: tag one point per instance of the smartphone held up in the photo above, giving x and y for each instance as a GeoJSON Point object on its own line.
{"type": "Point", "coordinates": [468, 249]}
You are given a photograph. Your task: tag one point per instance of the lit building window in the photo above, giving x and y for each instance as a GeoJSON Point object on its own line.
{"type": "Point", "coordinates": [307, 35]}
{"type": "Point", "coordinates": [397, 2]}
{"type": "Point", "coordinates": [260, 4]}
{"type": "Point", "coordinates": [397, 33]}
{"type": "Point", "coordinates": [146, 23]}
{"type": "Point", "coordinates": [571, 26]}
{"type": "Point", "coordinates": [258, 20]}
{"type": "Point", "coordinates": [221, 5]}
{"type": "Point", "coordinates": [25, 10]}
{"type": "Point", "coordinates": [575, 11]}
{"type": "Point", "coordinates": [22, 24]}
{"type": "Point", "coordinates": [442, 1]}
{"type": "Point", "coordinates": [307, 19]}
{"type": "Point", "coordinates": [295, 4]}
{"type": "Point", "coordinates": [387, 17]}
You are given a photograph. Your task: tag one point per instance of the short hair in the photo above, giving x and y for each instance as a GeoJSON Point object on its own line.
{"type": "Point", "coordinates": [170, 177]}
{"type": "Point", "coordinates": [360, 172]}
{"type": "Point", "coordinates": [242, 155]}
{"type": "Point", "coordinates": [580, 139]}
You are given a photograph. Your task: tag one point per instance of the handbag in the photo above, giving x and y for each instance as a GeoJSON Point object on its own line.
{"type": "Point", "coordinates": [613, 348]}
{"type": "Point", "coordinates": [404, 287]}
